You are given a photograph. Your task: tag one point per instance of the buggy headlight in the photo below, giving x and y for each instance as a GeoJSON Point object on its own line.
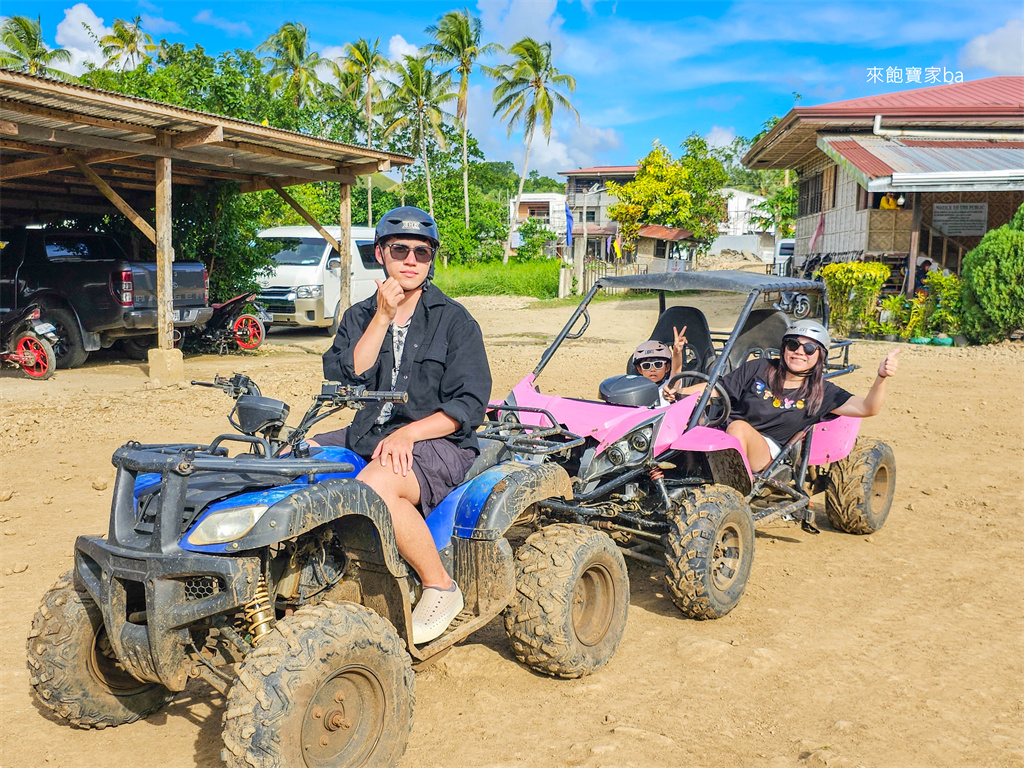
{"type": "Point", "coordinates": [226, 524]}
{"type": "Point", "coordinates": [309, 292]}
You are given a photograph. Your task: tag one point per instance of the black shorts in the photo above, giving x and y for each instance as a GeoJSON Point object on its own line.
{"type": "Point", "coordinates": [439, 465]}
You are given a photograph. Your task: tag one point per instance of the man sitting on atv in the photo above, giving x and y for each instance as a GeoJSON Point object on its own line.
{"type": "Point", "coordinates": [774, 400]}
{"type": "Point", "coordinates": [411, 337]}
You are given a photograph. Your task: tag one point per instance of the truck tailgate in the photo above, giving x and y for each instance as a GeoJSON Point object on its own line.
{"type": "Point", "coordinates": [189, 284]}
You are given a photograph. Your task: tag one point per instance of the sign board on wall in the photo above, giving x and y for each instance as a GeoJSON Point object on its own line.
{"type": "Point", "coordinates": [963, 219]}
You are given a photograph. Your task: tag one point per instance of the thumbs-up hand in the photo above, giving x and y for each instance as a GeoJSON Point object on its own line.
{"type": "Point", "coordinates": [889, 365]}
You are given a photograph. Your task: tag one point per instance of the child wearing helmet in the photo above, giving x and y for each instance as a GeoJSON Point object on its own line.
{"type": "Point", "coordinates": [655, 361]}
{"type": "Point", "coordinates": [411, 337]}
{"type": "Point", "coordinates": [774, 400]}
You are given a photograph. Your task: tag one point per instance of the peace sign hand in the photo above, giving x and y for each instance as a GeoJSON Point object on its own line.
{"type": "Point", "coordinates": [679, 342]}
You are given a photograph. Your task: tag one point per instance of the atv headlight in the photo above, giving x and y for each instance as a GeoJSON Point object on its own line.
{"type": "Point", "coordinates": [226, 524]}
{"type": "Point", "coordinates": [309, 292]}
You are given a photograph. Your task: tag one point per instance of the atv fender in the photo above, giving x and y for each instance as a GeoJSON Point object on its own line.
{"type": "Point", "coordinates": [833, 440]}
{"type": "Point", "coordinates": [371, 535]}
{"type": "Point", "coordinates": [722, 451]}
{"type": "Point", "coordinates": [486, 506]}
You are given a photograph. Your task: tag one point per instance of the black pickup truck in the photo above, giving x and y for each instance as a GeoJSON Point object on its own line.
{"type": "Point", "coordinates": [91, 290]}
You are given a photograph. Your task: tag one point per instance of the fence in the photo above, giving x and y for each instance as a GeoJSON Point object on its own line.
{"type": "Point", "coordinates": [594, 270]}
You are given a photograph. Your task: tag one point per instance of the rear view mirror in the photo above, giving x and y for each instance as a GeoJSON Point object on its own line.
{"type": "Point", "coordinates": [334, 263]}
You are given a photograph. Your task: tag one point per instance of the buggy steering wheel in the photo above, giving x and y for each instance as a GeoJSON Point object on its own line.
{"type": "Point", "coordinates": [719, 399]}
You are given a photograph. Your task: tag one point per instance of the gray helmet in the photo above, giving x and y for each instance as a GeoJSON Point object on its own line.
{"type": "Point", "coordinates": [652, 350]}
{"type": "Point", "coordinates": [408, 221]}
{"type": "Point", "coordinates": [810, 329]}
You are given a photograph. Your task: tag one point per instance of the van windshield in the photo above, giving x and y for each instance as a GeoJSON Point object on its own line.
{"type": "Point", "coordinates": [298, 251]}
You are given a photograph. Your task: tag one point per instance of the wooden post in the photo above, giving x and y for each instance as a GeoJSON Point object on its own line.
{"type": "Point", "coordinates": [915, 238]}
{"type": "Point", "coordinates": [164, 251]}
{"type": "Point", "coordinates": [335, 244]}
{"type": "Point", "coordinates": [119, 202]}
{"type": "Point", "coordinates": [345, 239]}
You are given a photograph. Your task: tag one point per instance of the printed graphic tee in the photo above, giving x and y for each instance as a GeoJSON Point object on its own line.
{"type": "Point", "coordinates": [781, 415]}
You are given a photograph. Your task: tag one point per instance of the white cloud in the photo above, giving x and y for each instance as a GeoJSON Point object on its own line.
{"type": "Point", "coordinates": [73, 36]}
{"type": "Point", "coordinates": [1000, 52]}
{"type": "Point", "coordinates": [507, 21]}
{"type": "Point", "coordinates": [399, 48]}
{"type": "Point", "coordinates": [229, 28]}
{"type": "Point", "coordinates": [157, 25]}
{"type": "Point", "coordinates": [720, 137]}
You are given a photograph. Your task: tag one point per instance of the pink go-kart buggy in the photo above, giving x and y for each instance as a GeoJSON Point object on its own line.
{"type": "Point", "coordinates": [665, 483]}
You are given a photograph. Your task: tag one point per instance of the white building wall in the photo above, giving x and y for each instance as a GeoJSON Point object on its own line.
{"type": "Point", "coordinates": [740, 204]}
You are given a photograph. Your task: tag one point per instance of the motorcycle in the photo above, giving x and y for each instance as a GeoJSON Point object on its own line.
{"type": "Point", "coordinates": [795, 304]}
{"type": "Point", "coordinates": [229, 326]}
{"type": "Point", "coordinates": [27, 343]}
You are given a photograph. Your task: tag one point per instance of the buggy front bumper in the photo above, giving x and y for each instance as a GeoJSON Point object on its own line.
{"type": "Point", "coordinates": [149, 601]}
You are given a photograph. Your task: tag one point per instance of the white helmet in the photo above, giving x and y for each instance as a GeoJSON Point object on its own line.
{"type": "Point", "coordinates": [810, 329]}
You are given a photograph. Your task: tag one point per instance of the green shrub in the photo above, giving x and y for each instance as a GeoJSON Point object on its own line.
{"type": "Point", "coordinates": [896, 314]}
{"type": "Point", "coordinates": [944, 302]}
{"type": "Point", "coordinates": [537, 278]}
{"type": "Point", "coordinates": [992, 284]}
{"type": "Point", "coordinates": [532, 238]}
{"type": "Point", "coordinates": [852, 290]}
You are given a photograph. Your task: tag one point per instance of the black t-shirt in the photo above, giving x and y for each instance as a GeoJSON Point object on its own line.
{"type": "Point", "coordinates": [777, 416]}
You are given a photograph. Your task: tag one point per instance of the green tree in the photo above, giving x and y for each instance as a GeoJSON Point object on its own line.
{"type": "Point", "coordinates": [778, 211]}
{"type": "Point", "coordinates": [533, 236]}
{"type": "Point", "coordinates": [415, 103]}
{"type": "Point", "coordinates": [293, 67]}
{"type": "Point", "coordinates": [361, 64]}
{"type": "Point", "coordinates": [992, 283]}
{"type": "Point", "coordinates": [658, 194]}
{"type": "Point", "coordinates": [127, 44]}
{"type": "Point", "coordinates": [705, 177]}
{"type": "Point", "coordinates": [457, 40]}
{"type": "Point", "coordinates": [22, 48]}
{"type": "Point", "coordinates": [527, 93]}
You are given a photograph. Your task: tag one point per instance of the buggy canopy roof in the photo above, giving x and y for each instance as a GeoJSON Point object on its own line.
{"type": "Point", "coordinates": [717, 280]}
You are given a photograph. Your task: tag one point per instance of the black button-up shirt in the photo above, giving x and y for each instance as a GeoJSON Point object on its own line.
{"type": "Point", "coordinates": [444, 368]}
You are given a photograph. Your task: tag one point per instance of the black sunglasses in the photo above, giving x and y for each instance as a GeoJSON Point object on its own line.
{"type": "Point", "coordinates": [792, 345]}
{"type": "Point", "coordinates": [400, 252]}
{"type": "Point", "coordinates": [650, 365]}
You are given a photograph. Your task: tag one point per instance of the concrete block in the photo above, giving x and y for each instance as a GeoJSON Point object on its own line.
{"type": "Point", "coordinates": [166, 367]}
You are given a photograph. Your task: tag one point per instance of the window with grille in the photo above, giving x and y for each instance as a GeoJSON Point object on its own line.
{"type": "Point", "coordinates": [809, 195]}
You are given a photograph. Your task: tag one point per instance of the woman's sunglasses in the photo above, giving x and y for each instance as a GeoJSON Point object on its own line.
{"type": "Point", "coordinates": [792, 345]}
{"type": "Point", "coordinates": [650, 365]}
{"type": "Point", "coordinates": [400, 252]}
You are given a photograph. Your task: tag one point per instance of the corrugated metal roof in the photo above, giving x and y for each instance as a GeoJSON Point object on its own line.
{"type": "Point", "coordinates": [877, 156]}
{"type": "Point", "coordinates": [658, 232]}
{"type": "Point", "coordinates": [993, 95]}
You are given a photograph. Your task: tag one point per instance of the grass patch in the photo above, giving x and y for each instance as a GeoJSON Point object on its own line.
{"type": "Point", "coordinates": [572, 301]}
{"type": "Point", "coordinates": [532, 278]}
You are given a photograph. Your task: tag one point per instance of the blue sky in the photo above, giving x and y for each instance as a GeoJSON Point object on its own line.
{"type": "Point", "coordinates": [644, 70]}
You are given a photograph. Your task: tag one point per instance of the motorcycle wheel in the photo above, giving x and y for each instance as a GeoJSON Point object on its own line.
{"type": "Point", "coordinates": [802, 307]}
{"type": "Point", "coordinates": [249, 331]}
{"type": "Point", "coordinates": [35, 356]}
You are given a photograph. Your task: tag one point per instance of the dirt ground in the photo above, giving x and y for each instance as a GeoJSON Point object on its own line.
{"type": "Point", "coordinates": [903, 648]}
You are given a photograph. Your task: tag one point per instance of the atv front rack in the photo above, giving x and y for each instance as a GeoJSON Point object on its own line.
{"type": "Point", "coordinates": [507, 428]}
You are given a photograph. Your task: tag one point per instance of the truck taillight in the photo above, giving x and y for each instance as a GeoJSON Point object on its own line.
{"type": "Point", "coordinates": [123, 288]}
{"type": "Point", "coordinates": [206, 286]}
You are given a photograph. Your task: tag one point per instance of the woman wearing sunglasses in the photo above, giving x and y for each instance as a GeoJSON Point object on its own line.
{"type": "Point", "coordinates": [774, 400]}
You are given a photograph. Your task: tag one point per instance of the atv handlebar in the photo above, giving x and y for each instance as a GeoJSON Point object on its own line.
{"type": "Point", "coordinates": [355, 396]}
{"type": "Point", "coordinates": [239, 384]}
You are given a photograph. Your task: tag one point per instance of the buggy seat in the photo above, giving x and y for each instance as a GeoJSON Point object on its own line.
{"type": "Point", "coordinates": [760, 337]}
{"type": "Point", "coordinates": [698, 337]}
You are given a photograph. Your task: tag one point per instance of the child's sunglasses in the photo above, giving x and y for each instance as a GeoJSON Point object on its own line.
{"type": "Point", "coordinates": [650, 365]}
{"type": "Point", "coordinates": [792, 345]}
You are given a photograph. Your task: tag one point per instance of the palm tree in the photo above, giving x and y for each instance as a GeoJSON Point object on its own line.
{"type": "Point", "coordinates": [127, 43]}
{"type": "Point", "coordinates": [364, 61]}
{"type": "Point", "coordinates": [525, 93]}
{"type": "Point", "coordinates": [415, 104]}
{"type": "Point", "coordinates": [23, 48]}
{"type": "Point", "coordinates": [292, 65]}
{"type": "Point", "coordinates": [457, 37]}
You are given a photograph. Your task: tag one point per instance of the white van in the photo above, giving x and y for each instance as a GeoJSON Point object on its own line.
{"type": "Point", "coordinates": [305, 289]}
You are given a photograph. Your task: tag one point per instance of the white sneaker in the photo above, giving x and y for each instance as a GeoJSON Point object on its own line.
{"type": "Point", "coordinates": [434, 612]}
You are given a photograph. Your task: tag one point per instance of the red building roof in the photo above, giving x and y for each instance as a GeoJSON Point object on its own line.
{"type": "Point", "coordinates": [658, 232]}
{"type": "Point", "coordinates": [602, 170]}
{"type": "Point", "coordinates": [993, 103]}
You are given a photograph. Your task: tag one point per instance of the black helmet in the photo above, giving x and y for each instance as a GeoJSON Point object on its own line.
{"type": "Point", "coordinates": [407, 220]}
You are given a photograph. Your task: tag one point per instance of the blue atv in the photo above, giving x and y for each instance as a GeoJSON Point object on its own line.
{"type": "Point", "coordinates": [274, 575]}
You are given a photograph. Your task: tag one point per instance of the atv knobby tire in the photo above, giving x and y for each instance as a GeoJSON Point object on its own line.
{"type": "Point", "coordinates": [572, 597]}
{"type": "Point", "coordinates": [331, 685]}
{"type": "Point", "coordinates": [860, 488]}
{"type": "Point", "coordinates": [73, 669]}
{"type": "Point", "coordinates": [710, 551]}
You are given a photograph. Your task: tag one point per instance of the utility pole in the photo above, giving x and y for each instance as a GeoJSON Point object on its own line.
{"type": "Point", "coordinates": [580, 252]}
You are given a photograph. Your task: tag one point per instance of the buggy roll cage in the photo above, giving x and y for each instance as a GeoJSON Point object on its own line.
{"type": "Point", "coordinates": [732, 281]}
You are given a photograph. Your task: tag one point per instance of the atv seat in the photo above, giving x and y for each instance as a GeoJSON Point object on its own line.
{"type": "Point", "coordinates": [698, 337]}
{"type": "Point", "coordinates": [760, 337]}
{"type": "Point", "coordinates": [491, 452]}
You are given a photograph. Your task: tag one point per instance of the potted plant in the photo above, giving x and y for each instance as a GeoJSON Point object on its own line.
{"type": "Point", "coordinates": [944, 320]}
{"type": "Point", "coordinates": [917, 320]}
{"type": "Point", "coordinates": [892, 317]}
{"type": "Point", "coordinates": [872, 329]}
